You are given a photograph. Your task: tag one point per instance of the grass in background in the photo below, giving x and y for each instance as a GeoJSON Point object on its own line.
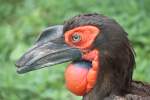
{"type": "Point", "coordinates": [22, 21]}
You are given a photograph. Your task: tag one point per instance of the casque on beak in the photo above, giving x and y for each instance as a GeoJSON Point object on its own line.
{"type": "Point", "coordinates": [50, 49]}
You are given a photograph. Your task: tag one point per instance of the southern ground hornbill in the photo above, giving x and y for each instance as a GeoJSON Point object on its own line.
{"type": "Point", "coordinates": [101, 54]}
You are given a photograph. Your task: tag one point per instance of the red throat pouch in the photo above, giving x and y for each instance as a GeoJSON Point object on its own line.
{"type": "Point", "coordinates": [81, 78]}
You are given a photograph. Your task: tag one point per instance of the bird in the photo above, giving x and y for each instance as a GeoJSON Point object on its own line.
{"type": "Point", "coordinates": [102, 58]}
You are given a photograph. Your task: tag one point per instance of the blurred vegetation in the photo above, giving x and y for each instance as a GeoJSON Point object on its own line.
{"type": "Point", "coordinates": [22, 20]}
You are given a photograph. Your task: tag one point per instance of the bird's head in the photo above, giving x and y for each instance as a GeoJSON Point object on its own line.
{"type": "Point", "coordinates": [98, 47]}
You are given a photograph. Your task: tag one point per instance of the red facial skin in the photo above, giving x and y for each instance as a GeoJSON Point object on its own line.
{"type": "Point", "coordinates": [80, 80]}
{"type": "Point", "coordinates": [87, 33]}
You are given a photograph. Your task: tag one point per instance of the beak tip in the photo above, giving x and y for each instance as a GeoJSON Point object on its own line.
{"type": "Point", "coordinates": [21, 70]}
{"type": "Point", "coordinates": [20, 67]}
{"type": "Point", "coordinates": [18, 72]}
{"type": "Point", "coordinates": [17, 65]}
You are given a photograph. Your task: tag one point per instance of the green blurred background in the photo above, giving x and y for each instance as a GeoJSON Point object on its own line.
{"type": "Point", "coordinates": [22, 20]}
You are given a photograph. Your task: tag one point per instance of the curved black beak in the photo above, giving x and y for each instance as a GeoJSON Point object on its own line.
{"type": "Point", "coordinates": [50, 49]}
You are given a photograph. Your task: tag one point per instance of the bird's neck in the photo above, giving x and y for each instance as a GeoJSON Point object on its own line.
{"type": "Point", "coordinates": [107, 84]}
{"type": "Point", "coordinates": [103, 88]}
{"type": "Point", "coordinates": [115, 73]}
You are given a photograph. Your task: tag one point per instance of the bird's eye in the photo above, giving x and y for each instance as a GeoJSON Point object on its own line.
{"type": "Point", "coordinates": [76, 37]}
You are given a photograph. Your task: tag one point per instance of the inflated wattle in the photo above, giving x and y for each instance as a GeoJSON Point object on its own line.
{"type": "Point", "coordinates": [76, 77]}
{"type": "Point", "coordinates": [80, 76]}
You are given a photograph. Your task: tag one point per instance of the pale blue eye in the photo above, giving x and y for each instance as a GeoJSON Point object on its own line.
{"type": "Point", "coordinates": [76, 37]}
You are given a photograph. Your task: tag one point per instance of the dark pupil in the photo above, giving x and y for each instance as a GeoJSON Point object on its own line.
{"type": "Point", "coordinates": [76, 37]}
